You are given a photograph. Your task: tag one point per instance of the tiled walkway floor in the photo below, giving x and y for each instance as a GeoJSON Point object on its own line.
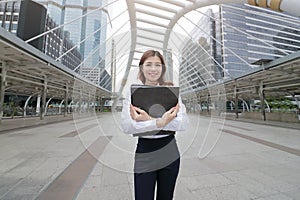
{"type": "Point", "coordinates": [90, 158]}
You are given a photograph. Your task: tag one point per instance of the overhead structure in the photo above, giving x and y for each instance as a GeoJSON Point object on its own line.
{"type": "Point", "coordinates": [152, 21]}
{"type": "Point", "coordinates": [274, 78]}
{"type": "Point", "coordinates": [27, 71]}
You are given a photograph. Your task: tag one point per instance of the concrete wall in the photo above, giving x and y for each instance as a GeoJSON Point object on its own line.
{"type": "Point", "coordinates": [276, 116]}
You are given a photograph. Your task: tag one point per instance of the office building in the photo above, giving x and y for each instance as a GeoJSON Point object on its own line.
{"type": "Point", "coordinates": [230, 40]}
{"type": "Point", "coordinates": [86, 21]}
{"type": "Point", "coordinates": [28, 19]}
{"type": "Point", "coordinates": [252, 33]}
{"type": "Point", "coordinates": [197, 65]}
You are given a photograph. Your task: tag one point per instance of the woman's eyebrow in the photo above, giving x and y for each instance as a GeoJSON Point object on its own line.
{"type": "Point", "coordinates": [153, 62]}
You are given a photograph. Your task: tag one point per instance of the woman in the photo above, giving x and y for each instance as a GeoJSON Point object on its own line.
{"type": "Point", "coordinates": [157, 158]}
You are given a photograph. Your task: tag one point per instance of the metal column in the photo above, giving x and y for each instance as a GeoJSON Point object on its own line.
{"type": "Point", "coordinates": [44, 95]}
{"type": "Point", "coordinates": [66, 100]}
{"type": "Point", "coordinates": [236, 102]}
{"type": "Point", "coordinates": [3, 72]}
{"type": "Point", "coordinates": [262, 100]}
{"type": "Point", "coordinates": [207, 106]}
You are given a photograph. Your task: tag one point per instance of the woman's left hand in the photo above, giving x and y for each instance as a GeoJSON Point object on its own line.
{"type": "Point", "coordinates": [138, 114]}
{"type": "Point", "coordinates": [167, 117]}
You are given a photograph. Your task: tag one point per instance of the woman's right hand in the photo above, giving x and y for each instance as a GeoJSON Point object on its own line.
{"type": "Point", "coordinates": [138, 114]}
{"type": "Point", "coordinates": [167, 117]}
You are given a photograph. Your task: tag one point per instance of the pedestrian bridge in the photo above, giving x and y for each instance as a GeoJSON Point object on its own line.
{"type": "Point", "coordinates": [137, 26]}
{"type": "Point", "coordinates": [85, 155]}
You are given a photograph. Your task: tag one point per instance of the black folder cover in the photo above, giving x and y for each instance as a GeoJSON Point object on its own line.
{"type": "Point", "coordinates": [155, 100]}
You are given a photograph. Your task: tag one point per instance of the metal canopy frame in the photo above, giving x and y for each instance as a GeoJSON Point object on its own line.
{"type": "Point", "coordinates": [278, 78]}
{"type": "Point", "coordinates": [164, 14]}
{"type": "Point", "coordinates": [28, 70]}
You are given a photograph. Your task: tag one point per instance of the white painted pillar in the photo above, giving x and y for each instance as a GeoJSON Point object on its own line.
{"type": "Point", "coordinates": [38, 104]}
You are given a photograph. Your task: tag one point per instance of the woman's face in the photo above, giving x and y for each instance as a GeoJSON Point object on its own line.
{"type": "Point", "coordinates": [152, 69]}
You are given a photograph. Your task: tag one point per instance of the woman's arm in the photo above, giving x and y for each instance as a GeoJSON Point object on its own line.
{"type": "Point", "coordinates": [133, 123]}
{"type": "Point", "coordinates": [131, 126]}
{"type": "Point", "coordinates": [181, 121]}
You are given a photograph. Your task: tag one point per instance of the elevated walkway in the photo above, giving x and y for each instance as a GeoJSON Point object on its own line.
{"type": "Point", "coordinates": [90, 158]}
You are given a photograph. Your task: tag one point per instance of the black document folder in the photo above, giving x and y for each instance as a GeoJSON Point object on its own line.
{"type": "Point", "coordinates": [155, 100]}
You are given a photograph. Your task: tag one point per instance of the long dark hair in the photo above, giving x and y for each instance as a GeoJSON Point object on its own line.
{"type": "Point", "coordinates": [152, 53]}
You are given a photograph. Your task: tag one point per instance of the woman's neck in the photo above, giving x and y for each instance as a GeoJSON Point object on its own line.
{"type": "Point", "coordinates": [151, 83]}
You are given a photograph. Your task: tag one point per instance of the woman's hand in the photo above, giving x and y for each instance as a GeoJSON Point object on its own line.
{"type": "Point", "coordinates": [167, 117]}
{"type": "Point", "coordinates": [138, 114]}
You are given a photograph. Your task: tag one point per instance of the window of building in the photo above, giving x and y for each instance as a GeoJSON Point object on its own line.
{"type": "Point", "coordinates": [6, 25]}
{"type": "Point", "coordinates": [15, 17]}
{"type": "Point", "coordinates": [8, 17]}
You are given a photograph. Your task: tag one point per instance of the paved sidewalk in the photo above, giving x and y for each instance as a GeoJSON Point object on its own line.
{"type": "Point", "coordinates": [90, 158]}
{"type": "Point", "coordinates": [17, 123]}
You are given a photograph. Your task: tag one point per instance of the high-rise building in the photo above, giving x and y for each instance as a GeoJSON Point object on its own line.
{"type": "Point", "coordinates": [229, 41]}
{"type": "Point", "coordinates": [86, 21]}
{"type": "Point", "coordinates": [197, 65]}
{"type": "Point", "coordinates": [28, 19]}
{"type": "Point", "coordinates": [251, 33]}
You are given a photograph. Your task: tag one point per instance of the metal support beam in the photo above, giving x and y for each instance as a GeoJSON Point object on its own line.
{"type": "Point", "coordinates": [207, 105]}
{"type": "Point", "coordinates": [43, 95]}
{"type": "Point", "coordinates": [59, 107]}
{"type": "Point", "coordinates": [38, 104]}
{"type": "Point", "coordinates": [47, 104]}
{"type": "Point", "coordinates": [236, 102]}
{"type": "Point", "coordinates": [80, 100]}
{"type": "Point", "coordinates": [262, 100]}
{"type": "Point", "coordinates": [200, 102]}
{"type": "Point", "coordinates": [3, 73]}
{"type": "Point", "coordinates": [25, 105]}
{"type": "Point", "coordinates": [89, 102]}
{"type": "Point", "coordinates": [66, 100]}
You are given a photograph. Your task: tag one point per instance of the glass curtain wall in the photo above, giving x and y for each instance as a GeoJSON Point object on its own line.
{"type": "Point", "coordinates": [229, 40]}
{"type": "Point", "coordinates": [88, 32]}
{"type": "Point", "coordinates": [254, 33]}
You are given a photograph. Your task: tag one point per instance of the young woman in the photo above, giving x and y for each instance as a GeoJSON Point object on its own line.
{"type": "Point", "coordinates": [157, 158]}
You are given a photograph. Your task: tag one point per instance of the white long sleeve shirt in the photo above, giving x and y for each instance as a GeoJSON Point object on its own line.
{"type": "Point", "coordinates": [130, 126]}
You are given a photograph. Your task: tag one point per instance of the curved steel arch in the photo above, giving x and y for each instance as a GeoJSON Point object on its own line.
{"type": "Point", "coordinates": [182, 7]}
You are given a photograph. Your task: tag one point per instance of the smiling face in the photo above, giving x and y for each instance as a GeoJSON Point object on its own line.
{"type": "Point", "coordinates": [152, 70]}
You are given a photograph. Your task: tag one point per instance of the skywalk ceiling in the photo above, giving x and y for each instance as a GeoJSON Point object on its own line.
{"type": "Point", "coordinates": [151, 22]}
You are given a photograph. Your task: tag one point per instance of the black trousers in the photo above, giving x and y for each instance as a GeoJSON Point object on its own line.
{"type": "Point", "coordinates": [157, 161]}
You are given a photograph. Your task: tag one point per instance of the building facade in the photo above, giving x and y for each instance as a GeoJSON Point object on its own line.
{"type": "Point", "coordinates": [251, 33]}
{"type": "Point", "coordinates": [28, 19]}
{"type": "Point", "coordinates": [197, 65]}
{"type": "Point", "coordinates": [229, 41]}
{"type": "Point", "coordinates": [86, 21]}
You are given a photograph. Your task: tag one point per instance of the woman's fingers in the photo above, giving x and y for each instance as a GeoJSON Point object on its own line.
{"type": "Point", "coordinates": [139, 114]}
{"type": "Point", "coordinates": [170, 114]}
{"type": "Point", "coordinates": [133, 113]}
{"type": "Point", "coordinates": [174, 110]}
